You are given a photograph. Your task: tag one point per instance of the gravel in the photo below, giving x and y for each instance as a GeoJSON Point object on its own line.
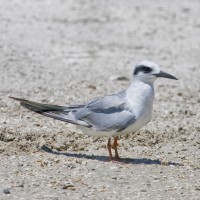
{"type": "Point", "coordinates": [68, 52]}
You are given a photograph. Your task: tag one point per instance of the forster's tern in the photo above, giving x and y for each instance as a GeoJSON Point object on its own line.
{"type": "Point", "coordinates": [113, 115]}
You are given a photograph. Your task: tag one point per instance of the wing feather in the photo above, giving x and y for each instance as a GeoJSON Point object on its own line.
{"type": "Point", "coordinates": [106, 114]}
{"type": "Point", "coordinates": [62, 113]}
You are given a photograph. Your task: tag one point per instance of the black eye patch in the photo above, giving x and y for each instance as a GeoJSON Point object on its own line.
{"type": "Point", "coordinates": [143, 69]}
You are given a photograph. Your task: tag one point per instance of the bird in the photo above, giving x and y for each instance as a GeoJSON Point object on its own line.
{"type": "Point", "coordinates": [113, 115]}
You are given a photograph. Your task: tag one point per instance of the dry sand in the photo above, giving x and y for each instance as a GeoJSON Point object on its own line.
{"type": "Point", "coordinates": [66, 52]}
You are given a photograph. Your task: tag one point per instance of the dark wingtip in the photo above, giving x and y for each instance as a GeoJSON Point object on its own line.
{"type": "Point", "coordinates": [15, 98]}
{"type": "Point", "coordinates": [176, 78]}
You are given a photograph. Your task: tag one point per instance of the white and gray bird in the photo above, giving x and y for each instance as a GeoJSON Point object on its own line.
{"type": "Point", "coordinates": [111, 116]}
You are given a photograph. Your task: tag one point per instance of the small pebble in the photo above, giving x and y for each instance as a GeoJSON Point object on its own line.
{"type": "Point", "coordinates": [197, 188]}
{"type": "Point", "coordinates": [118, 78]}
{"type": "Point", "coordinates": [93, 87]}
{"type": "Point", "coordinates": [165, 163]}
{"type": "Point", "coordinates": [6, 191]}
{"type": "Point", "coordinates": [68, 185]}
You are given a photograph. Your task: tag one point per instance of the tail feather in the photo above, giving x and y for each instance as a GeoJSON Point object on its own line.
{"type": "Point", "coordinates": [53, 111]}
{"type": "Point", "coordinates": [38, 107]}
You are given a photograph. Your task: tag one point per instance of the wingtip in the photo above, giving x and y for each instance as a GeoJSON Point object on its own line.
{"type": "Point", "coordinates": [15, 98]}
{"type": "Point", "coordinates": [12, 97]}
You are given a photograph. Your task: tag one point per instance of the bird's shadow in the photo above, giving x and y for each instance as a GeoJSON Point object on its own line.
{"type": "Point", "coordinates": [145, 161]}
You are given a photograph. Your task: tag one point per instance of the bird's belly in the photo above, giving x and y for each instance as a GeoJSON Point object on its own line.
{"type": "Point", "coordinates": [95, 133]}
{"type": "Point", "coordinates": [141, 121]}
{"type": "Point", "coordinates": [138, 124]}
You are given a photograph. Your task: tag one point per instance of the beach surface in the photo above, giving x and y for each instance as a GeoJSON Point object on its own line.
{"type": "Point", "coordinates": [69, 52]}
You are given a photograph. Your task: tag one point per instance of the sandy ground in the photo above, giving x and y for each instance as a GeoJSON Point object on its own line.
{"type": "Point", "coordinates": [68, 52]}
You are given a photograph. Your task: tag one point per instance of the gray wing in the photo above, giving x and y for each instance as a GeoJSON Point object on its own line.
{"type": "Point", "coordinates": [106, 114]}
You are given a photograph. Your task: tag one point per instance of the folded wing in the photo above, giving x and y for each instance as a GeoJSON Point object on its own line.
{"type": "Point", "coordinates": [108, 113]}
{"type": "Point", "coordinates": [105, 114]}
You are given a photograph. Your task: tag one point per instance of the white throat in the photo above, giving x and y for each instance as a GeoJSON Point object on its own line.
{"type": "Point", "coordinates": [140, 96]}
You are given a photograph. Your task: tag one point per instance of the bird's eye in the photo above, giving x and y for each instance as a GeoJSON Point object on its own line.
{"type": "Point", "coordinates": [143, 69]}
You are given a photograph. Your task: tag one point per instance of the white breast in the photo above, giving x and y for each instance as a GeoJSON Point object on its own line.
{"type": "Point", "coordinates": [140, 97]}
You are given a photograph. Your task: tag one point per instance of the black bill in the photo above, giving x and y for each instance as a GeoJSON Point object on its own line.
{"type": "Point", "coordinates": [166, 75]}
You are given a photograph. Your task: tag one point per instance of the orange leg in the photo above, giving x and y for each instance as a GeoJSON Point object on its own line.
{"type": "Point", "coordinates": [109, 146]}
{"type": "Point", "coordinates": [115, 147]}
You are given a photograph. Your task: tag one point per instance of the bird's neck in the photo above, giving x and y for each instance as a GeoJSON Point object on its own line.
{"type": "Point", "coordinates": [141, 87]}
{"type": "Point", "coordinates": [141, 95]}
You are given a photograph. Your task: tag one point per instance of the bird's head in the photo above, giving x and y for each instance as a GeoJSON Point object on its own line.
{"type": "Point", "coordinates": [147, 71]}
